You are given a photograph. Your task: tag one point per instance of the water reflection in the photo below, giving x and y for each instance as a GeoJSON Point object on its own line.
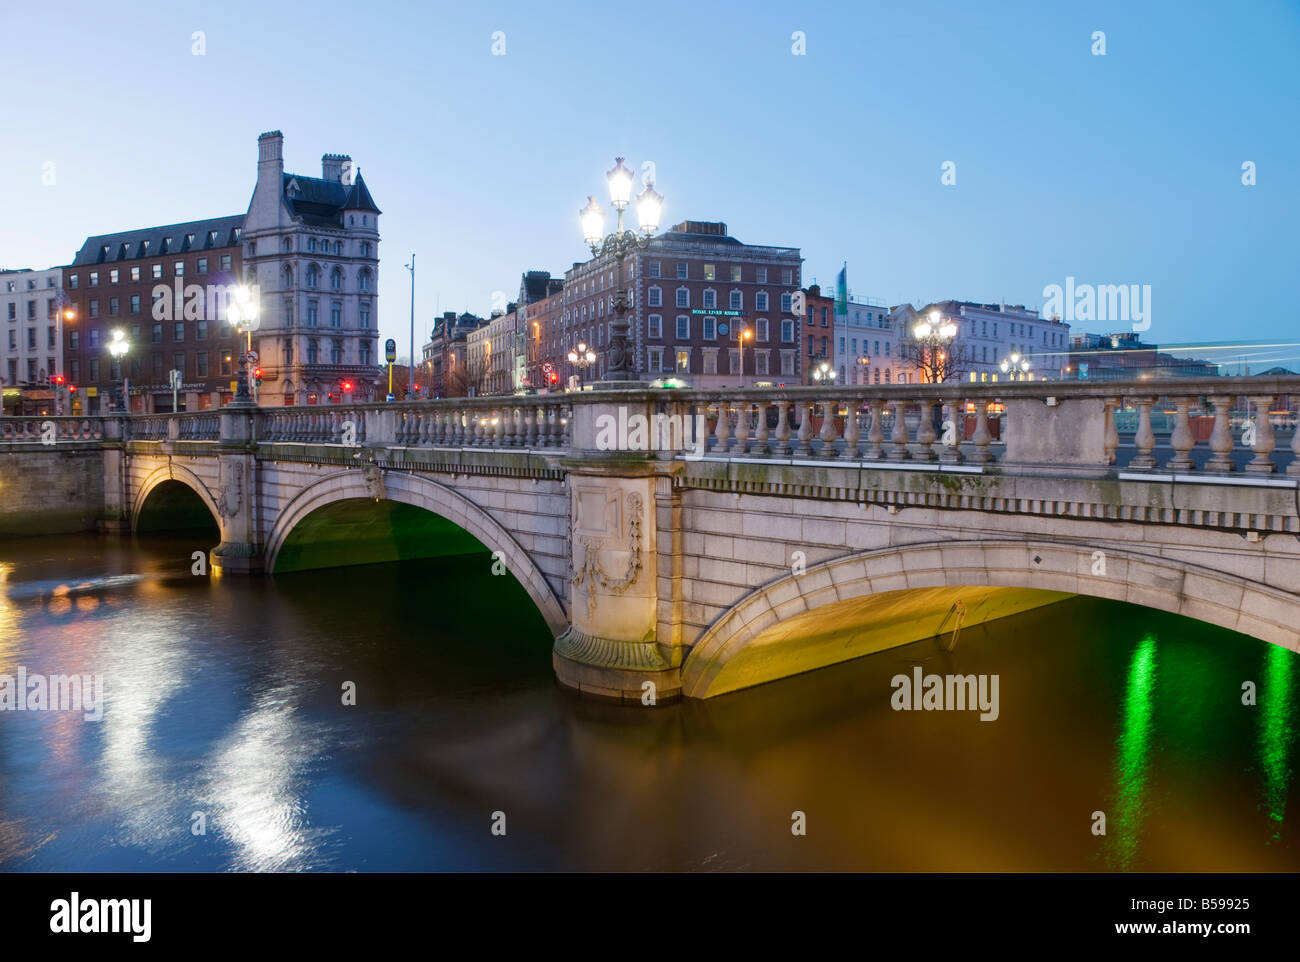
{"type": "Point", "coordinates": [1276, 733]}
{"type": "Point", "coordinates": [1133, 759]}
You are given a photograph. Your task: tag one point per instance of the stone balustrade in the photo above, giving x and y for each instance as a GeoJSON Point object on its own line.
{"type": "Point", "coordinates": [1037, 427]}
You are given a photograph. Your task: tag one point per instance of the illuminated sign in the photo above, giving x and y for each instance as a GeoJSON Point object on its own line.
{"type": "Point", "coordinates": [718, 312]}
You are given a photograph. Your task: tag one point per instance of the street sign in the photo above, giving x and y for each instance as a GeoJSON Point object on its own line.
{"type": "Point", "coordinates": [251, 357]}
{"type": "Point", "coordinates": [390, 350]}
{"type": "Point", "coordinates": [390, 398]}
{"type": "Point", "coordinates": [174, 379]}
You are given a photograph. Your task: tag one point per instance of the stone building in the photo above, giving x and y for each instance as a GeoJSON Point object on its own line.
{"type": "Point", "coordinates": [29, 305]}
{"type": "Point", "coordinates": [311, 245]}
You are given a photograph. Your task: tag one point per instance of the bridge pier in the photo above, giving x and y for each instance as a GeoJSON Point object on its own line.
{"type": "Point", "coordinates": [240, 550]}
{"type": "Point", "coordinates": [612, 649]}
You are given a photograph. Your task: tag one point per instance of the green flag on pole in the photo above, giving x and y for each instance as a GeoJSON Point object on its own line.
{"type": "Point", "coordinates": [842, 292]}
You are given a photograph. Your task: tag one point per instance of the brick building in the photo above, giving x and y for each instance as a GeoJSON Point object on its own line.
{"type": "Point", "coordinates": [166, 288]}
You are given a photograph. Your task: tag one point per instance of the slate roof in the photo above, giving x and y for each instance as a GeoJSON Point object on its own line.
{"type": "Point", "coordinates": [321, 203]}
{"type": "Point", "coordinates": [160, 241]}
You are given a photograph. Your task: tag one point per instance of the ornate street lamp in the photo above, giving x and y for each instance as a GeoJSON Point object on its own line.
{"type": "Point", "coordinates": [581, 359]}
{"type": "Point", "coordinates": [864, 363]}
{"type": "Point", "coordinates": [933, 336]}
{"type": "Point", "coordinates": [649, 204]}
{"type": "Point", "coordinates": [117, 347]}
{"type": "Point", "coordinates": [823, 373]}
{"type": "Point", "coordinates": [244, 313]}
{"type": "Point", "coordinates": [1017, 367]}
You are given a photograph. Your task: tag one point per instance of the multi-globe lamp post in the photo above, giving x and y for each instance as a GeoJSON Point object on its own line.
{"type": "Point", "coordinates": [934, 335]}
{"type": "Point", "coordinates": [824, 373]}
{"type": "Point", "coordinates": [649, 204]}
{"type": "Point", "coordinates": [1016, 367]}
{"type": "Point", "coordinates": [244, 314]}
{"type": "Point", "coordinates": [117, 348]}
{"type": "Point", "coordinates": [581, 358]}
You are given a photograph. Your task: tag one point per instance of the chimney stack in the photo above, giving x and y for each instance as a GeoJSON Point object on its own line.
{"type": "Point", "coordinates": [331, 166]}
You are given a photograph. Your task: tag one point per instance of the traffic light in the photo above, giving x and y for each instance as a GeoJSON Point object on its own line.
{"type": "Point", "coordinates": [257, 374]}
{"type": "Point", "coordinates": [58, 380]}
{"type": "Point", "coordinates": [554, 377]}
{"type": "Point", "coordinates": [72, 389]}
{"type": "Point", "coordinates": [346, 386]}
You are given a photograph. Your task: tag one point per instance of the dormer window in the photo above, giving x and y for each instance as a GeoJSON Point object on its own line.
{"type": "Point", "coordinates": [291, 189]}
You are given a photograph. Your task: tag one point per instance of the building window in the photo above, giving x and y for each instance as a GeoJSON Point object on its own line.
{"type": "Point", "coordinates": [681, 270]}
{"type": "Point", "coordinates": [653, 268]}
{"type": "Point", "coordinates": [201, 330]}
{"type": "Point", "coordinates": [761, 360]}
{"type": "Point", "coordinates": [94, 278]}
{"type": "Point", "coordinates": [761, 329]}
{"type": "Point", "coordinates": [787, 363]}
{"type": "Point", "coordinates": [311, 313]}
{"type": "Point", "coordinates": [710, 362]}
{"type": "Point", "coordinates": [288, 313]}
{"type": "Point", "coordinates": [710, 299]}
{"type": "Point", "coordinates": [336, 314]}
{"type": "Point", "coordinates": [655, 297]}
{"type": "Point", "coordinates": [787, 275]}
{"type": "Point", "coordinates": [336, 351]}
{"type": "Point", "coordinates": [365, 248]}
{"type": "Point", "coordinates": [363, 316]}
{"type": "Point", "coordinates": [112, 276]}
{"type": "Point", "coordinates": [114, 305]}
{"type": "Point", "coordinates": [683, 297]}
{"type": "Point", "coordinates": [365, 352]}
{"type": "Point", "coordinates": [655, 326]}
{"type": "Point", "coordinates": [227, 363]}
{"type": "Point", "coordinates": [178, 331]}
{"type": "Point", "coordinates": [656, 360]}
{"type": "Point", "coordinates": [94, 307]}
{"type": "Point", "coordinates": [760, 275]}
{"type": "Point", "coordinates": [225, 262]}
{"type": "Point", "coordinates": [336, 280]}
{"type": "Point", "coordinates": [683, 327]}
{"type": "Point", "coordinates": [787, 332]}
{"type": "Point", "coordinates": [178, 363]}
{"type": "Point", "coordinates": [94, 370]}
{"type": "Point", "coordinates": [313, 276]}
{"type": "Point", "coordinates": [363, 280]}
{"type": "Point", "coordinates": [760, 301]}
{"type": "Point", "coordinates": [311, 244]}
{"type": "Point", "coordinates": [684, 361]}
{"type": "Point", "coordinates": [709, 273]}
{"type": "Point", "coordinates": [178, 269]}
{"type": "Point", "coordinates": [737, 301]}
{"type": "Point", "coordinates": [313, 351]}
{"type": "Point", "coordinates": [710, 329]}
{"type": "Point", "coordinates": [785, 303]}
{"type": "Point", "coordinates": [735, 273]}
{"type": "Point", "coordinates": [72, 281]}
{"type": "Point", "coordinates": [201, 364]}
{"type": "Point", "coordinates": [135, 303]}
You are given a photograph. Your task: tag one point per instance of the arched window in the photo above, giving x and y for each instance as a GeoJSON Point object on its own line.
{"type": "Point", "coordinates": [313, 276]}
{"type": "Point", "coordinates": [336, 279]}
{"type": "Point", "coordinates": [288, 245]}
{"type": "Point", "coordinates": [363, 279]}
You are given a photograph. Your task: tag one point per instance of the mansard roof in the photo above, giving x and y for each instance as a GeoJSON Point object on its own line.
{"type": "Point", "coordinates": [321, 203]}
{"type": "Point", "coordinates": [195, 235]}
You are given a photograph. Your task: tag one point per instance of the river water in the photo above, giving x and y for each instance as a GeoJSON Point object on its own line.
{"type": "Point", "coordinates": [225, 743]}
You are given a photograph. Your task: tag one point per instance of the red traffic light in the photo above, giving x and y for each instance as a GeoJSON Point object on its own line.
{"type": "Point", "coordinates": [72, 388]}
{"type": "Point", "coordinates": [58, 379]}
{"type": "Point", "coordinates": [347, 387]}
{"type": "Point", "coordinates": [257, 373]}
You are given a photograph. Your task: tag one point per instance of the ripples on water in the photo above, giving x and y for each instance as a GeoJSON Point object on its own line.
{"type": "Point", "coordinates": [224, 700]}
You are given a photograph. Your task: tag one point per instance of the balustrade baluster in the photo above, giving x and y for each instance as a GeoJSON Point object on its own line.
{"type": "Point", "coordinates": [981, 436]}
{"type": "Point", "coordinates": [828, 434]}
{"type": "Point", "coordinates": [760, 438]}
{"type": "Point", "coordinates": [876, 433]}
{"type": "Point", "coordinates": [925, 433]}
{"type": "Point", "coordinates": [1181, 438]}
{"type": "Point", "coordinates": [951, 453]}
{"type": "Point", "coordinates": [782, 428]}
{"type": "Point", "coordinates": [1265, 442]}
{"type": "Point", "coordinates": [898, 438]}
{"type": "Point", "coordinates": [804, 448]}
{"type": "Point", "coordinates": [852, 409]}
{"type": "Point", "coordinates": [1110, 435]}
{"type": "Point", "coordinates": [742, 428]}
{"type": "Point", "coordinates": [722, 432]}
{"type": "Point", "coordinates": [1145, 439]}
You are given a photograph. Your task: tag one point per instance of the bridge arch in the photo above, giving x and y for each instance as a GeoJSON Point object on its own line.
{"type": "Point", "coordinates": [423, 493]}
{"type": "Point", "coordinates": [729, 654]}
{"type": "Point", "coordinates": [172, 472]}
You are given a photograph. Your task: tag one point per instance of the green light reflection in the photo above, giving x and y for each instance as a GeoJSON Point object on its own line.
{"type": "Point", "coordinates": [1276, 733]}
{"type": "Point", "coordinates": [1132, 762]}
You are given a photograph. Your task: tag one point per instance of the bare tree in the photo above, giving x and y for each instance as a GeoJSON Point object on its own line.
{"type": "Point", "coordinates": [934, 363]}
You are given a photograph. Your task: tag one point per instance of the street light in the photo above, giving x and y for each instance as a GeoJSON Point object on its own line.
{"type": "Point", "coordinates": [649, 206]}
{"type": "Point", "coordinates": [244, 313]}
{"type": "Point", "coordinates": [934, 335]}
{"type": "Point", "coordinates": [117, 347]}
{"type": "Point", "coordinates": [864, 362]}
{"type": "Point", "coordinates": [823, 373]}
{"type": "Point", "coordinates": [61, 313]}
{"type": "Point", "coordinates": [1017, 367]}
{"type": "Point", "coordinates": [745, 335]}
{"type": "Point", "coordinates": [581, 359]}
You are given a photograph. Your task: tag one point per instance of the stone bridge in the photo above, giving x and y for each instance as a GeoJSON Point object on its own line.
{"type": "Point", "coordinates": [709, 541]}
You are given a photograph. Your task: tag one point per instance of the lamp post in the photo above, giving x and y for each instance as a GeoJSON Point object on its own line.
{"type": "Point", "coordinates": [117, 347]}
{"type": "Point", "coordinates": [1017, 367]}
{"type": "Point", "coordinates": [933, 336]}
{"type": "Point", "coordinates": [864, 362]}
{"type": "Point", "coordinates": [244, 313]}
{"type": "Point", "coordinates": [61, 313]}
{"type": "Point", "coordinates": [745, 335]}
{"type": "Point", "coordinates": [619, 244]}
{"type": "Point", "coordinates": [581, 359]}
{"type": "Point", "coordinates": [824, 373]}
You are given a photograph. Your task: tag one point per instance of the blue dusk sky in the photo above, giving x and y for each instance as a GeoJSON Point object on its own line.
{"type": "Point", "coordinates": [1125, 168]}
